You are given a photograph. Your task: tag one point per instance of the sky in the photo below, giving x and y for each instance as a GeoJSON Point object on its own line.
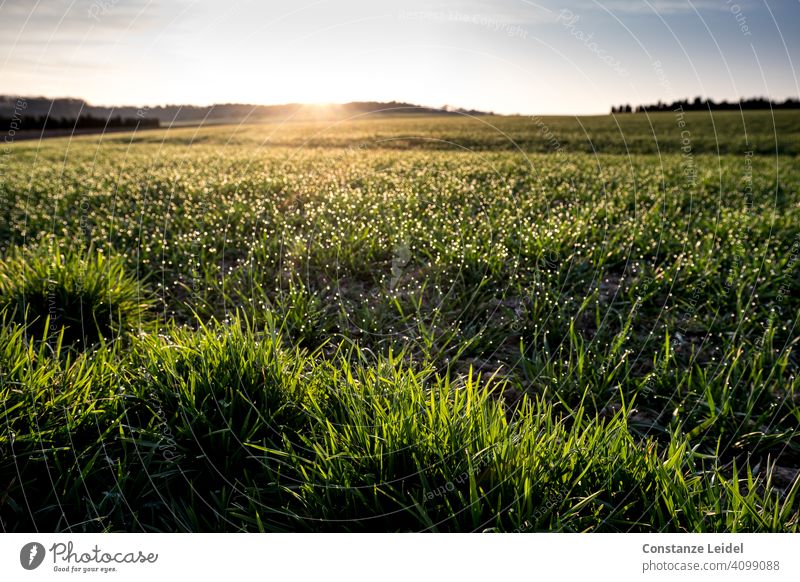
{"type": "Point", "coordinates": [506, 56]}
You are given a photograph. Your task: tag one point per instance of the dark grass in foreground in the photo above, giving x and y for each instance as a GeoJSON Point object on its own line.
{"type": "Point", "coordinates": [347, 338]}
{"type": "Point", "coordinates": [226, 428]}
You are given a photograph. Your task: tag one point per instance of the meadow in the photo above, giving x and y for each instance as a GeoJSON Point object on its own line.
{"type": "Point", "coordinates": [498, 324]}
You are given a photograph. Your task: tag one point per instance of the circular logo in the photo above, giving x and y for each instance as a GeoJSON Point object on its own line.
{"type": "Point", "coordinates": [31, 555]}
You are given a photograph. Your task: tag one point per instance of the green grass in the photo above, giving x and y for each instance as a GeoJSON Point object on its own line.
{"type": "Point", "coordinates": [84, 297]}
{"type": "Point", "coordinates": [410, 335]}
{"type": "Point", "coordinates": [764, 132]}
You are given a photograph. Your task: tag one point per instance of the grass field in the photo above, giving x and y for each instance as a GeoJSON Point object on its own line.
{"type": "Point", "coordinates": [404, 324]}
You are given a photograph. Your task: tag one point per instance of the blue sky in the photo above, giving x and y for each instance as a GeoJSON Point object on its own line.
{"type": "Point", "coordinates": [508, 56]}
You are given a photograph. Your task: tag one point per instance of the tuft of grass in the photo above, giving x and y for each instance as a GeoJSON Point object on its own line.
{"type": "Point", "coordinates": [86, 297]}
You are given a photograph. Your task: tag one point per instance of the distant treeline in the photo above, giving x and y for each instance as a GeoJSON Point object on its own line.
{"type": "Point", "coordinates": [699, 104]}
{"type": "Point", "coordinates": [224, 112]}
{"type": "Point", "coordinates": [39, 122]}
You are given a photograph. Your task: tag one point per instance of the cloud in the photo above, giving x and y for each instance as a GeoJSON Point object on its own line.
{"type": "Point", "coordinates": [45, 18]}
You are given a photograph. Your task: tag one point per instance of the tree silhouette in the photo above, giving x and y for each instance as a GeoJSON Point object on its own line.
{"type": "Point", "coordinates": [700, 104]}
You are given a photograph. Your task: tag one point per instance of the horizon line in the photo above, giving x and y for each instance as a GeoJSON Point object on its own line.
{"type": "Point", "coordinates": [407, 104]}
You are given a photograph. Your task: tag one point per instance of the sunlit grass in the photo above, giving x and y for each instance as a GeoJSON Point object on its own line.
{"type": "Point", "coordinates": [344, 338]}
